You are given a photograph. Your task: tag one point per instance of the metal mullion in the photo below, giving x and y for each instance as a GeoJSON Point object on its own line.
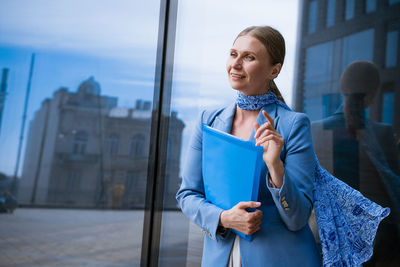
{"type": "Point", "coordinates": [159, 133]}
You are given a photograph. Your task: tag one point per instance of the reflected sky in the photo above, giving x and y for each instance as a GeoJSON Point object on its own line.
{"type": "Point", "coordinates": [116, 43]}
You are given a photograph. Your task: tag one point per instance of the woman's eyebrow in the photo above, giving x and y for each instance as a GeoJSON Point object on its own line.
{"type": "Point", "coordinates": [243, 51]}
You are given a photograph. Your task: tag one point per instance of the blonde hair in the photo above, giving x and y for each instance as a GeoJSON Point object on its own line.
{"type": "Point", "coordinates": [274, 44]}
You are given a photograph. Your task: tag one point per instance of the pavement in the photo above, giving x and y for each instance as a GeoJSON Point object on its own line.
{"type": "Point", "coordinates": [63, 237]}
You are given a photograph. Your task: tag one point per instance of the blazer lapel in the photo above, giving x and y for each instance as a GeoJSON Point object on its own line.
{"type": "Point", "coordinates": [223, 121]}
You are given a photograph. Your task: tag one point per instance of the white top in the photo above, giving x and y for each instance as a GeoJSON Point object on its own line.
{"type": "Point", "coordinates": [234, 258]}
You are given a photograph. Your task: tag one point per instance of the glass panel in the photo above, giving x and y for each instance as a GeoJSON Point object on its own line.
{"type": "Point", "coordinates": [205, 33]}
{"type": "Point", "coordinates": [350, 5]}
{"type": "Point", "coordinates": [330, 17]}
{"type": "Point", "coordinates": [388, 107]}
{"type": "Point", "coordinates": [359, 142]}
{"type": "Point", "coordinates": [312, 16]}
{"type": "Point", "coordinates": [358, 46]}
{"type": "Point", "coordinates": [72, 73]}
{"type": "Point", "coordinates": [370, 6]}
{"type": "Point", "coordinates": [392, 41]}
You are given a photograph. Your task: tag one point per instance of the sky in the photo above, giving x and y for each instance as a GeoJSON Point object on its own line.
{"type": "Point", "coordinates": [116, 42]}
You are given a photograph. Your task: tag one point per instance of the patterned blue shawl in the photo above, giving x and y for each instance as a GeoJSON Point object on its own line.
{"type": "Point", "coordinates": [347, 221]}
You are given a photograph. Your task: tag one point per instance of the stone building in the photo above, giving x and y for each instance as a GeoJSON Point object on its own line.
{"type": "Point", "coordinates": [85, 151]}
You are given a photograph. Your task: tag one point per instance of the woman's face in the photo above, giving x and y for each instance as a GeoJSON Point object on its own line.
{"type": "Point", "coordinates": [249, 66]}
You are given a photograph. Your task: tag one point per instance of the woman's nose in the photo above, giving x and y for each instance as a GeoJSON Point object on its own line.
{"type": "Point", "coordinates": [237, 63]}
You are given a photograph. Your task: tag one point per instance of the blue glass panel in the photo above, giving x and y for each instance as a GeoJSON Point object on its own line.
{"type": "Point", "coordinates": [358, 46]}
{"type": "Point", "coordinates": [317, 70]}
{"type": "Point", "coordinates": [370, 6]}
{"type": "Point", "coordinates": [330, 17]}
{"type": "Point", "coordinates": [350, 5]}
{"type": "Point", "coordinates": [312, 16]}
{"type": "Point", "coordinates": [331, 102]}
{"type": "Point", "coordinates": [392, 40]}
{"type": "Point", "coordinates": [388, 107]}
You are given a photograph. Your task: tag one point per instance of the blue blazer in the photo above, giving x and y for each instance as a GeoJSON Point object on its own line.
{"type": "Point", "coordinates": [285, 238]}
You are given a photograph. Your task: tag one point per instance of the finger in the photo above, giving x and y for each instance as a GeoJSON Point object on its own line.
{"type": "Point", "coordinates": [268, 117]}
{"type": "Point", "coordinates": [256, 126]}
{"type": "Point", "coordinates": [276, 139]}
{"type": "Point", "coordinates": [248, 204]}
{"type": "Point", "coordinates": [268, 133]}
{"type": "Point", "coordinates": [263, 127]}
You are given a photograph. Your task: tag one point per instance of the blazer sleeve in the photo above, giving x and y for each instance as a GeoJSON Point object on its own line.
{"type": "Point", "coordinates": [294, 199]}
{"type": "Point", "coordinates": [190, 196]}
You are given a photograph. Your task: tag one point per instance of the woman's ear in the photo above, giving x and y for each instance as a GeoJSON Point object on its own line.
{"type": "Point", "coordinates": [276, 69]}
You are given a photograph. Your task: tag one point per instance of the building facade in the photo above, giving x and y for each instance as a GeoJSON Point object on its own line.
{"type": "Point", "coordinates": [335, 33]}
{"type": "Point", "coordinates": [85, 151]}
{"type": "Point", "coordinates": [355, 139]}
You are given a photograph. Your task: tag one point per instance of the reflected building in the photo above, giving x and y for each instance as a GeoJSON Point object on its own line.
{"type": "Point", "coordinates": [355, 107]}
{"type": "Point", "coordinates": [333, 34]}
{"type": "Point", "coordinates": [85, 151]}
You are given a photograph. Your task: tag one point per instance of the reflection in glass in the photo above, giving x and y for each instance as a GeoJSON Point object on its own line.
{"type": "Point", "coordinates": [392, 41]}
{"type": "Point", "coordinates": [356, 131]}
{"type": "Point", "coordinates": [353, 50]}
{"type": "Point", "coordinates": [349, 11]}
{"type": "Point", "coordinates": [330, 13]}
{"type": "Point", "coordinates": [388, 107]}
{"type": "Point", "coordinates": [370, 6]}
{"type": "Point", "coordinates": [362, 153]}
{"type": "Point", "coordinates": [81, 117]}
{"type": "Point", "coordinates": [312, 16]}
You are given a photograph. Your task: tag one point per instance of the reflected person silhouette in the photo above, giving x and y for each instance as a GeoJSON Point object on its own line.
{"type": "Point", "coordinates": [362, 153]}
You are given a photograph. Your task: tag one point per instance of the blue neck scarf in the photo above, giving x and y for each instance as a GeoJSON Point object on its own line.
{"type": "Point", "coordinates": [347, 221]}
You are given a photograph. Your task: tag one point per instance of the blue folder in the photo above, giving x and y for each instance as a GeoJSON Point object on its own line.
{"type": "Point", "coordinates": [231, 170]}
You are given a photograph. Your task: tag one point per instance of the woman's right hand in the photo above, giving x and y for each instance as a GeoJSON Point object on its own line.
{"type": "Point", "coordinates": [240, 219]}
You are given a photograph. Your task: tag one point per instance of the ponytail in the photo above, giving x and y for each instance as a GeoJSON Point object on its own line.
{"type": "Point", "coordinates": [274, 89]}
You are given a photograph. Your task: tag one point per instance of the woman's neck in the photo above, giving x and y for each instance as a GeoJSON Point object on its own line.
{"type": "Point", "coordinates": [244, 115]}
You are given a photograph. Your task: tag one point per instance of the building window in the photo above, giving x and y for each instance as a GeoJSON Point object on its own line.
{"type": "Point", "coordinates": [392, 2]}
{"type": "Point", "coordinates": [113, 144]}
{"type": "Point", "coordinates": [331, 102]}
{"type": "Point", "coordinates": [388, 107]}
{"type": "Point", "coordinates": [80, 143]}
{"type": "Point", "coordinates": [330, 13]}
{"type": "Point", "coordinates": [392, 40]}
{"type": "Point", "coordinates": [358, 46]}
{"type": "Point", "coordinates": [312, 16]}
{"type": "Point", "coordinates": [73, 181]}
{"type": "Point", "coordinates": [350, 5]}
{"type": "Point", "coordinates": [137, 146]}
{"type": "Point", "coordinates": [370, 6]}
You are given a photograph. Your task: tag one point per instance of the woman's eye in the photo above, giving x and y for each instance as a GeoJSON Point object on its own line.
{"type": "Point", "coordinates": [233, 54]}
{"type": "Point", "coordinates": [250, 57]}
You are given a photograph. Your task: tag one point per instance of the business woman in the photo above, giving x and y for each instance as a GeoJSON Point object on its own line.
{"type": "Point", "coordinates": [279, 224]}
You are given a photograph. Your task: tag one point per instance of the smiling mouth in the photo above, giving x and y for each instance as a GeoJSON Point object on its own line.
{"type": "Point", "coordinates": [237, 76]}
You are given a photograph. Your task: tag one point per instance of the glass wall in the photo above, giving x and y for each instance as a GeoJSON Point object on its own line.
{"type": "Point", "coordinates": [392, 41]}
{"type": "Point", "coordinates": [205, 33]}
{"type": "Point", "coordinates": [312, 16]}
{"type": "Point", "coordinates": [330, 16]}
{"type": "Point", "coordinates": [354, 108]}
{"type": "Point", "coordinates": [77, 90]}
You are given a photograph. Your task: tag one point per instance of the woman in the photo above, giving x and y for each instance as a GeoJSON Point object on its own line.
{"type": "Point", "coordinates": [292, 181]}
{"type": "Point", "coordinates": [281, 233]}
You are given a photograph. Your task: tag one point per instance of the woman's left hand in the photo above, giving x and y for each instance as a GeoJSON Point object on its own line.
{"type": "Point", "coordinates": [272, 142]}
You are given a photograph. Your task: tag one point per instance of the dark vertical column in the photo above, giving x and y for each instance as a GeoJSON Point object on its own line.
{"type": "Point", "coordinates": [300, 57]}
{"type": "Point", "coordinates": [3, 92]}
{"type": "Point", "coordinates": [159, 134]}
{"type": "Point", "coordinates": [21, 136]}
